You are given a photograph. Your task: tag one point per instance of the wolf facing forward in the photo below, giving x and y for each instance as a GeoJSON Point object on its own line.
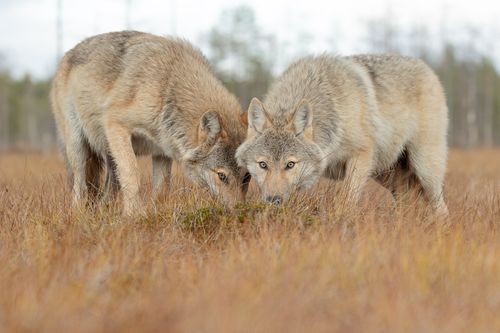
{"type": "Point", "coordinates": [120, 94]}
{"type": "Point", "coordinates": [379, 116]}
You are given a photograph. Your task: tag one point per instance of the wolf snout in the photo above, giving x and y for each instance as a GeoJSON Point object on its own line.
{"type": "Point", "coordinates": [274, 199]}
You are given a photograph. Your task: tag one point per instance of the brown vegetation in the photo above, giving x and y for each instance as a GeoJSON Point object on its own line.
{"type": "Point", "coordinates": [192, 266]}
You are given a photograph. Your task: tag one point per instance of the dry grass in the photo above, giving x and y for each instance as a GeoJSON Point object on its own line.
{"type": "Point", "coordinates": [315, 266]}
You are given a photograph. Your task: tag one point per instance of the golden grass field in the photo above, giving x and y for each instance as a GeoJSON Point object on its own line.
{"type": "Point", "coordinates": [191, 266]}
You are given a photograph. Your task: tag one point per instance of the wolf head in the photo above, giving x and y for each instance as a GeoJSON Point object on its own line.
{"type": "Point", "coordinates": [212, 163]}
{"type": "Point", "coordinates": [281, 157]}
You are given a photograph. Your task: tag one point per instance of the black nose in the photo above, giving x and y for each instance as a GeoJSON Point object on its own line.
{"type": "Point", "coordinates": [274, 199]}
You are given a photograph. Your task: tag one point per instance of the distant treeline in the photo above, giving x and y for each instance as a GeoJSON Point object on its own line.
{"type": "Point", "coordinates": [26, 122]}
{"type": "Point", "coordinates": [245, 57]}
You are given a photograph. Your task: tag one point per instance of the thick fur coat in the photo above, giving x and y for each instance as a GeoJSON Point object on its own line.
{"type": "Point", "coordinates": [125, 93]}
{"type": "Point", "coordinates": [379, 116]}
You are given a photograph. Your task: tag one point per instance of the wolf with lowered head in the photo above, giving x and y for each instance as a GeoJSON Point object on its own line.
{"type": "Point", "coordinates": [351, 118]}
{"type": "Point", "coordinates": [120, 94]}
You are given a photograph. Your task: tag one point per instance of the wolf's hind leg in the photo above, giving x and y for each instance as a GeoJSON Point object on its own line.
{"type": "Point", "coordinates": [77, 154]}
{"type": "Point", "coordinates": [69, 169]}
{"type": "Point", "coordinates": [399, 178]}
{"type": "Point", "coordinates": [387, 180]}
{"type": "Point", "coordinates": [162, 167]}
{"type": "Point", "coordinates": [93, 168]}
{"type": "Point", "coordinates": [428, 162]}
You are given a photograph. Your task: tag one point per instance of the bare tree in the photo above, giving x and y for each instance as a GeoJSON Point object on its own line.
{"type": "Point", "coordinates": [4, 113]}
{"type": "Point", "coordinates": [241, 53]}
{"type": "Point", "coordinates": [382, 33]}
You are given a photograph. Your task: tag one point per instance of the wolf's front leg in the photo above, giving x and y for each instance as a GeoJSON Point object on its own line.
{"type": "Point", "coordinates": [358, 170]}
{"type": "Point", "coordinates": [120, 145]}
{"type": "Point", "coordinates": [162, 166]}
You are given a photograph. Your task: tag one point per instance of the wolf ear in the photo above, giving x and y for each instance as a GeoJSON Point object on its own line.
{"type": "Point", "coordinates": [258, 120]}
{"type": "Point", "coordinates": [209, 128]}
{"type": "Point", "coordinates": [301, 122]}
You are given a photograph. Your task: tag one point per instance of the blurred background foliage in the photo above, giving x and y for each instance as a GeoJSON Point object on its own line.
{"type": "Point", "coordinates": [245, 59]}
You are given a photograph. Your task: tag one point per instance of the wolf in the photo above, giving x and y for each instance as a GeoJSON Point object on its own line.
{"type": "Point", "coordinates": [352, 118]}
{"type": "Point", "coordinates": [122, 94]}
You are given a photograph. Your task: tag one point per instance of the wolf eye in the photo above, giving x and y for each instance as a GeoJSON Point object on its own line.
{"type": "Point", "coordinates": [290, 165]}
{"type": "Point", "coordinates": [222, 177]}
{"type": "Point", "coordinates": [263, 165]}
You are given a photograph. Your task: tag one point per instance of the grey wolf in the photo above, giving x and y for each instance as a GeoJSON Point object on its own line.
{"type": "Point", "coordinates": [351, 118]}
{"type": "Point", "coordinates": [120, 94]}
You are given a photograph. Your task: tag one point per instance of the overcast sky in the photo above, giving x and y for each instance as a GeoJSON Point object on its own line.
{"type": "Point", "coordinates": [28, 28]}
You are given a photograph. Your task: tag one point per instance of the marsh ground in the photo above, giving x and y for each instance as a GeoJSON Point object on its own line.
{"type": "Point", "coordinates": [191, 266]}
